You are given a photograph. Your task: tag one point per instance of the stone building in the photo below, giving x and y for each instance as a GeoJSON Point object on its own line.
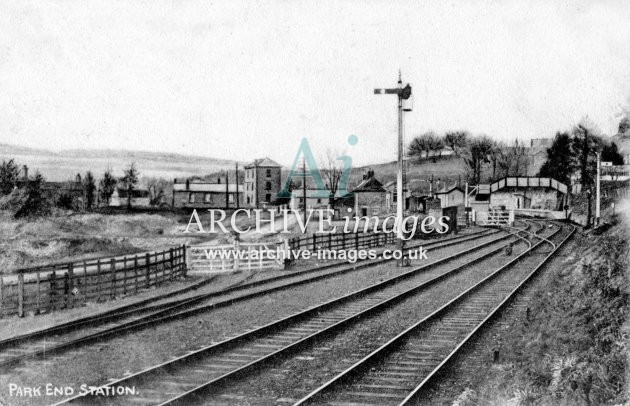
{"type": "Point", "coordinates": [370, 197]}
{"type": "Point", "coordinates": [202, 194]}
{"type": "Point", "coordinates": [263, 181]}
{"type": "Point", "coordinates": [452, 196]}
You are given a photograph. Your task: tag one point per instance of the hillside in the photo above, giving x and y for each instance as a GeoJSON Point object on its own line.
{"type": "Point", "coordinates": [64, 165]}
{"type": "Point", "coordinates": [445, 169]}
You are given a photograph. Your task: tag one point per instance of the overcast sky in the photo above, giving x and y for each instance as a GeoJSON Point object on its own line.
{"type": "Point", "coordinates": [241, 80]}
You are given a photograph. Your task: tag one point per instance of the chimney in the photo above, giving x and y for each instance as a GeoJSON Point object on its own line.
{"type": "Point", "coordinates": [25, 173]}
{"type": "Point", "coordinates": [219, 180]}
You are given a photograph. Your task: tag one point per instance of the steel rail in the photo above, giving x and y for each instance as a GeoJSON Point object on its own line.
{"type": "Point", "coordinates": [163, 311]}
{"type": "Point", "coordinates": [389, 346]}
{"type": "Point", "coordinates": [274, 326]}
{"type": "Point", "coordinates": [484, 323]}
{"type": "Point", "coordinates": [136, 308]}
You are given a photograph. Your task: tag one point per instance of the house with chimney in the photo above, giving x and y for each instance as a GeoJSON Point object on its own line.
{"type": "Point", "coordinates": [370, 197]}
{"type": "Point", "coordinates": [199, 193]}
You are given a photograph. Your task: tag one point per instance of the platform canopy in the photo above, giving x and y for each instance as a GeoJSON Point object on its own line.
{"type": "Point", "coordinates": [528, 182]}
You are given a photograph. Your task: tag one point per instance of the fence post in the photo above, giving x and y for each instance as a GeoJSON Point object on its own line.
{"type": "Point", "coordinates": [124, 275]}
{"type": "Point", "coordinates": [184, 259]}
{"type": "Point", "coordinates": [147, 264]}
{"type": "Point", "coordinates": [98, 281]}
{"type": "Point", "coordinates": [69, 295]}
{"type": "Point", "coordinates": [1, 293]}
{"type": "Point", "coordinates": [172, 262]}
{"type": "Point", "coordinates": [135, 272]}
{"type": "Point", "coordinates": [112, 269]}
{"type": "Point", "coordinates": [39, 293]}
{"type": "Point", "coordinates": [21, 295]}
{"type": "Point", "coordinates": [53, 290]}
{"type": "Point", "coordinates": [314, 242]}
{"type": "Point", "coordinates": [356, 240]}
{"type": "Point", "coordinates": [236, 264]}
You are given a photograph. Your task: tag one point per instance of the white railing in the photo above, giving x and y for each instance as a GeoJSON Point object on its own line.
{"type": "Point", "coordinates": [239, 256]}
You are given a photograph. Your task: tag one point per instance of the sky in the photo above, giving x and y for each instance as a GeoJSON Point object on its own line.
{"type": "Point", "coordinates": [240, 80]}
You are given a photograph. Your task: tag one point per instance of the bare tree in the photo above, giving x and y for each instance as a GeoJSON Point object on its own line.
{"type": "Point", "coordinates": [332, 173]}
{"type": "Point", "coordinates": [425, 143]}
{"type": "Point", "coordinates": [478, 153]}
{"type": "Point", "coordinates": [456, 140]}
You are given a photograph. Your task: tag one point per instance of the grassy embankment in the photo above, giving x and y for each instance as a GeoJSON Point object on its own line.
{"type": "Point", "coordinates": [573, 349]}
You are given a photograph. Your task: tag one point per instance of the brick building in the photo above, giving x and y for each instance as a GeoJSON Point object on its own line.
{"type": "Point", "coordinates": [263, 180]}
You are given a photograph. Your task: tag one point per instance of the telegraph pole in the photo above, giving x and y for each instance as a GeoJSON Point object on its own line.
{"type": "Point", "coordinates": [403, 93]}
{"type": "Point", "coordinates": [237, 202]}
{"type": "Point", "coordinates": [304, 186]}
{"type": "Point", "coordinates": [598, 190]}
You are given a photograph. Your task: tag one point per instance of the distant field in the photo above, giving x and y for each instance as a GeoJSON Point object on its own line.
{"type": "Point", "coordinates": [64, 165]}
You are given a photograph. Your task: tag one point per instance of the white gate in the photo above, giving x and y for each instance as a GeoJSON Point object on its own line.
{"type": "Point", "coordinates": [500, 218]}
{"type": "Point", "coordinates": [240, 256]}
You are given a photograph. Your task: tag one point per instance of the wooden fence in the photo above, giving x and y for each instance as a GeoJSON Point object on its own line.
{"type": "Point", "coordinates": [341, 241]}
{"type": "Point", "coordinates": [209, 259]}
{"type": "Point", "coordinates": [68, 285]}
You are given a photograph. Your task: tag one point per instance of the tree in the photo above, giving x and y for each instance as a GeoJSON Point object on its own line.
{"type": "Point", "coordinates": [419, 145]}
{"type": "Point", "coordinates": [560, 162]}
{"type": "Point", "coordinates": [497, 151]}
{"type": "Point", "coordinates": [610, 153]}
{"type": "Point", "coordinates": [129, 181]}
{"type": "Point", "coordinates": [586, 143]}
{"type": "Point", "coordinates": [478, 153]}
{"type": "Point", "coordinates": [35, 203]}
{"type": "Point", "coordinates": [436, 144]}
{"type": "Point", "coordinates": [624, 125]}
{"type": "Point", "coordinates": [332, 173]}
{"type": "Point", "coordinates": [89, 185]}
{"type": "Point", "coordinates": [456, 140]}
{"type": "Point", "coordinates": [425, 143]}
{"type": "Point", "coordinates": [107, 185]}
{"type": "Point", "coordinates": [9, 175]}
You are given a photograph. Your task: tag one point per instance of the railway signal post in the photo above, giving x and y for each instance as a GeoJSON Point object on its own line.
{"type": "Point", "coordinates": [403, 93]}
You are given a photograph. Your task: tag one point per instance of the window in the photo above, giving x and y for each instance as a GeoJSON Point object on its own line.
{"type": "Point", "coordinates": [231, 198]}
{"type": "Point", "coordinates": [248, 201]}
{"type": "Point", "coordinates": [268, 197]}
{"type": "Point", "coordinates": [268, 173]}
{"type": "Point", "coordinates": [207, 198]}
{"type": "Point", "coordinates": [191, 198]}
{"type": "Point", "coordinates": [267, 185]}
{"type": "Point", "coordinates": [319, 200]}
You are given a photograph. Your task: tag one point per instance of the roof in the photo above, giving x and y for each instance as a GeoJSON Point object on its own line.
{"type": "Point", "coordinates": [263, 163]}
{"type": "Point", "coordinates": [207, 187]}
{"type": "Point", "coordinates": [443, 192]}
{"type": "Point", "coordinates": [391, 185]}
{"type": "Point", "coordinates": [369, 185]}
{"type": "Point", "coordinates": [311, 193]}
{"type": "Point", "coordinates": [525, 181]}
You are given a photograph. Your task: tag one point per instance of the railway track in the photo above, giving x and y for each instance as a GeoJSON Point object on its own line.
{"type": "Point", "coordinates": [177, 380]}
{"type": "Point", "coordinates": [88, 330]}
{"type": "Point", "coordinates": [397, 372]}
